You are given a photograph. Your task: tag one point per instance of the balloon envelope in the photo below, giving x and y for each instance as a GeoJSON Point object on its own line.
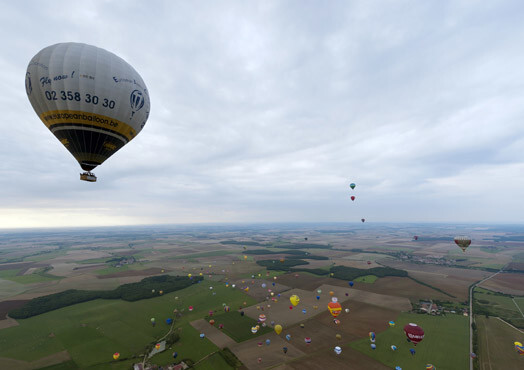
{"type": "Point", "coordinates": [294, 299]}
{"type": "Point", "coordinates": [414, 333]}
{"type": "Point", "coordinates": [116, 356]}
{"type": "Point", "coordinates": [463, 242]}
{"type": "Point", "coordinates": [334, 308]}
{"type": "Point", "coordinates": [519, 348]}
{"type": "Point", "coordinates": [278, 329]}
{"type": "Point", "coordinates": [93, 101]}
{"type": "Point", "coordinates": [338, 350]}
{"type": "Point", "coordinates": [352, 185]}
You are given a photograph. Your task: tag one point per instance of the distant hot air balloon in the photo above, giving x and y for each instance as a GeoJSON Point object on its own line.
{"type": "Point", "coordinates": [116, 356]}
{"type": "Point", "coordinates": [284, 349]}
{"type": "Point", "coordinates": [157, 346]}
{"type": "Point", "coordinates": [169, 321]}
{"type": "Point", "coordinates": [262, 317]}
{"type": "Point", "coordinates": [268, 342]}
{"type": "Point", "coordinates": [519, 348]}
{"type": "Point", "coordinates": [373, 346]}
{"type": "Point", "coordinates": [254, 329]}
{"type": "Point", "coordinates": [161, 292]}
{"type": "Point", "coordinates": [372, 336]}
{"type": "Point", "coordinates": [190, 308]}
{"type": "Point", "coordinates": [472, 355]}
{"type": "Point", "coordinates": [334, 308]}
{"type": "Point", "coordinates": [393, 347]}
{"type": "Point", "coordinates": [288, 337]}
{"type": "Point", "coordinates": [336, 321]}
{"type": "Point", "coordinates": [294, 299]}
{"type": "Point", "coordinates": [319, 291]}
{"type": "Point", "coordinates": [353, 198]}
{"type": "Point", "coordinates": [241, 313]}
{"type": "Point", "coordinates": [351, 283]}
{"type": "Point", "coordinates": [153, 321]}
{"type": "Point", "coordinates": [318, 297]}
{"type": "Point", "coordinates": [93, 101]}
{"type": "Point", "coordinates": [412, 351]}
{"type": "Point", "coordinates": [305, 238]}
{"type": "Point", "coordinates": [331, 293]}
{"type": "Point", "coordinates": [304, 311]}
{"type": "Point", "coordinates": [363, 220]}
{"type": "Point", "coordinates": [221, 326]}
{"type": "Point", "coordinates": [369, 262]}
{"type": "Point", "coordinates": [175, 354]}
{"type": "Point", "coordinates": [352, 185]}
{"type": "Point", "coordinates": [338, 350]}
{"type": "Point", "coordinates": [415, 237]}
{"type": "Point", "coordinates": [302, 326]}
{"type": "Point", "coordinates": [391, 324]}
{"type": "Point", "coordinates": [202, 335]}
{"type": "Point", "coordinates": [430, 367]}
{"type": "Point", "coordinates": [307, 340]}
{"type": "Point", "coordinates": [212, 322]}
{"type": "Point", "coordinates": [278, 329]}
{"type": "Point", "coordinates": [414, 333]}
{"type": "Point", "coordinates": [347, 310]}
{"type": "Point", "coordinates": [338, 336]}
{"type": "Point", "coordinates": [463, 242]}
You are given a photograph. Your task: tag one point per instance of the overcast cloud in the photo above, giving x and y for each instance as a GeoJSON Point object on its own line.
{"type": "Point", "coordinates": [267, 110]}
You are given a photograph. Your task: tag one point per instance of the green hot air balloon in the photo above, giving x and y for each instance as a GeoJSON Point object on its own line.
{"type": "Point", "coordinates": [93, 101]}
{"type": "Point", "coordinates": [352, 185]}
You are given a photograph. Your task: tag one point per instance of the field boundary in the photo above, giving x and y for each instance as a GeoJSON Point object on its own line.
{"type": "Point", "coordinates": [507, 323]}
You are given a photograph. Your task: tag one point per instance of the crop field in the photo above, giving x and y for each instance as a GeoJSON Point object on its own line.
{"type": "Point", "coordinates": [495, 344]}
{"type": "Point", "coordinates": [92, 331]}
{"type": "Point", "coordinates": [508, 283]}
{"type": "Point", "coordinates": [369, 279]}
{"type": "Point", "coordinates": [445, 343]}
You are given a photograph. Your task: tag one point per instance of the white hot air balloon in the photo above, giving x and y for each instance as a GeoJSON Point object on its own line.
{"type": "Point", "coordinates": [93, 101]}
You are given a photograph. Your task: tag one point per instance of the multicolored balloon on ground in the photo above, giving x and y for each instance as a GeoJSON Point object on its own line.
{"type": "Point", "coordinates": [116, 356]}
{"type": "Point", "coordinates": [414, 333]}
{"type": "Point", "coordinates": [391, 324]}
{"type": "Point", "coordinates": [430, 367]}
{"type": "Point", "coordinates": [334, 308]}
{"type": "Point", "coordinates": [254, 329]}
{"type": "Point", "coordinates": [262, 317]}
{"type": "Point", "coordinates": [519, 348]}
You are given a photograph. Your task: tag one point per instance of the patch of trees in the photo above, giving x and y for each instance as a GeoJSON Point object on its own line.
{"type": "Point", "coordinates": [351, 273]}
{"type": "Point", "coordinates": [234, 242]}
{"type": "Point", "coordinates": [295, 253]}
{"type": "Point", "coordinates": [230, 358]}
{"type": "Point", "coordinates": [304, 246]}
{"type": "Point", "coordinates": [319, 272]}
{"type": "Point", "coordinates": [127, 292]}
{"type": "Point", "coordinates": [281, 266]}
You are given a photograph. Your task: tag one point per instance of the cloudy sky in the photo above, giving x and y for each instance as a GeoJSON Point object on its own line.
{"type": "Point", "coordinates": [265, 111]}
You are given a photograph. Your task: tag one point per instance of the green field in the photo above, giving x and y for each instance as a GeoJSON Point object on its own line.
{"type": "Point", "coordinates": [203, 254]}
{"type": "Point", "coordinates": [495, 344]}
{"type": "Point", "coordinates": [239, 327]}
{"type": "Point", "coordinates": [91, 332]}
{"type": "Point", "coordinates": [445, 343]}
{"type": "Point", "coordinates": [36, 277]}
{"type": "Point", "coordinates": [495, 304]}
{"type": "Point", "coordinates": [370, 279]}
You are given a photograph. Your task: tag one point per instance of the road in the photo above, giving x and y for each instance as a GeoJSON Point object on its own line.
{"type": "Point", "coordinates": [471, 314]}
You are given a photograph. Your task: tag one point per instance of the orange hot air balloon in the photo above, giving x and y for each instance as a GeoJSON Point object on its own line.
{"type": "Point", "coordinates": [116, 356]}
{"type": "Point", "coordinates": [334, 308]}
{"type": "Point", "coordinates": [331, 293]}
{"type": "Point", "coordinates": [157, 346]}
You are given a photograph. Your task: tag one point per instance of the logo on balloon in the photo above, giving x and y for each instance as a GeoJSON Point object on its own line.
{"type": "Point", "coordinates": [28, 85]}
{"type": "Point", "coordinates": [137, 101]}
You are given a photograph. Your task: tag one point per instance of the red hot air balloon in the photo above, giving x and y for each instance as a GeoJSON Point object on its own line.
{"type": "Point", "coordinates": [414, 333]}
{"type": "Point", "coordinates": [353, 198]}
{"type": "Point", "coordinates": [415, 237]}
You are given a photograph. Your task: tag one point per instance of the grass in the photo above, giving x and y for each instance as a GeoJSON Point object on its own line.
{"type": "Point", "coordinates": [370, 279]}
{"type": "Point", "coordinates": [495, 344]}
{"type": "Point", "coordinates": [36, 277]}
{"type": "Point", "coordinates": [111, 270]}
{"type": "Point", "coordinates": [445, 344]}
{"type": "Point", "coordinates": [239, 327]}
{"type": "Point", "coordinates": [204, 254]}
{"type": "Point", "coordinates": [496, 305]}
{"type": "Point", "coordinates": [92, 331]}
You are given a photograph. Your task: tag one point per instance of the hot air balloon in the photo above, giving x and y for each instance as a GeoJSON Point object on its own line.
{"type": "Point", "coordinates": [161, 292]}
{"type": "Point", "coordinates": [116, 356]}
{"type": "Point", "coordinates": [336, 321]}
{"type": "Point", "coordinates": [260, 344]}
{"type": "Point", "coordinates": [412, 351]}
{"type": "Point", "coordinates": [338, 350]}
{"type": "Point", "coordinates": [393, 347]}
{"type": "Point", "coordinates": [351, 283]}
{"type": "Point", "coordinates": [352, 185]}
{"type": "Point", "coordinates": [169, 321]}
{"type": "Point", "coordinates": [318, 297]}
{"type": "Point", "coordinates": [302, 326]}
{"type": "Point", "coordinates": [472, 355]}
{"type": "Point", "coordinates": [190, 308]}
{"type": "Point", "coordinates": [519, 348]}
{"type": "Point", "coordinates": [347, 310]}
{"type": "Point", "coordinates": [353, 198]}
{"type": "Point", "coordinates": [307, 340]}
{"type": "Point", "coordinates": [268, 342]}
{"type": "Point", "coordinates": [430, 367]}
{"type": "Point", "coordinates": [391, 324]}
{"type": "Point", "coordinates": [373, 346]}
{"type": "Point", "coordinates": [278, 329]}
{"type": "Point", "coordinates": [414, 333]}
{"type": "Point", "coordinates": [372, 336]}
{"type": "Point", "coordinates": [288, 337]}
{"type": "Point", "coordinates": [226, 308]}
{"type": "Point", "coordinates": [93, 101]}
{"type": "Point", "coordinates": [259, 360]}
{"type": "Point", "coordinates": [212, 322]}
{"type": "Point", "coordinates": [415, 237]}
{"type": "Point", "coordinates": [304, 311]}
{"type": "Point", "coordinates": [241, 313]}
{"type": "Point", "coordinates": [262, 317]}
{"type": "Point", "coordinates": [294, 299]}
{"type": "Point", "coordinates": [463, 242]}
{"type": "Point", "coordinates": [284, 349]}
{"type": "Point", "coordinates": [153, 321]}
{"type": "Point", "coordinates": [369, 262]}
{"type": "Point", "coordinates": [334, 308]}
{"type": "Point", "coordinates": [331, 293]}
{"type": "Point", "coordinates": [338, 336]}
{"type": "Point", "coordinates": [254, 329]}
{"type": "Point", "coordinates": [175, 354]}
{"type": "Point", "coordinates": [319, 291]}
{"type": "Point", "coordinates": [202, 335]}
{"type": "Point", "coordinates": [157, 346]}
{"type": "Point", "coordinates": [363, 219]}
